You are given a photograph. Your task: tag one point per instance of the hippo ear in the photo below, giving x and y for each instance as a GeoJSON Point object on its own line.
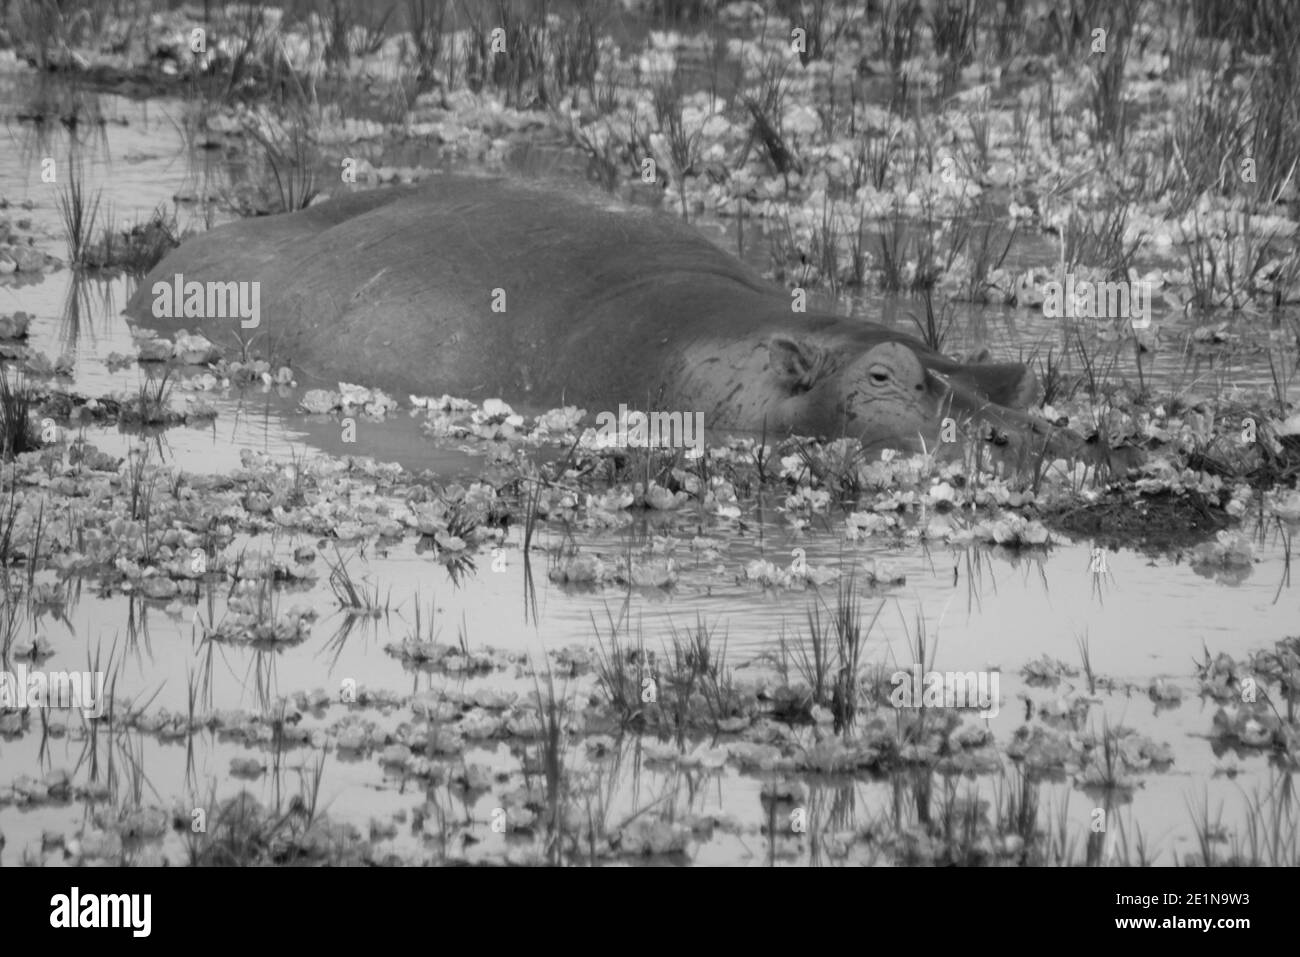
{"type": "Point", "coordinates": [796, 362]}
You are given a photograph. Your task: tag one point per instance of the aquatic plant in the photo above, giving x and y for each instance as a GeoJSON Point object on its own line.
{"type": "Point", "coordinates": [1085, 657]}
{"type": "Point", "coordinates": [934, 329]}
{"type": "Point", "coordinates": [48, 31]}
{"type": "Point", "coordinates": [954, 25]}
{"type": "Point", "coordinates": [620, 670]}
{"type": "Point", "coordinates": [1100, 239]}
{"type": "Point", "coordinates": [350, 33]}
{"type": "Point", "coordinates": [425, 20]}
{"type": "Point", "coordinates": [17, 401]}
{"type": "Point", "coordinates": [552, 746]}
{"type": "Point", "coordinates": [151, 403]}
{"type": "Point", "coordinates": [1272, 837]}
{"type": "Point", "coordinates": [1110, 111]}
{"type": "Point", "coordinates": [683, 143]}
{"type": "Point", "coordinates": [260, 66]}
{"type": "Point", "coordinates": [353, 596]}
{"type": "Point", "coordinates": [136, 248]}
{"type": "Point", "coordinates": [289, 154]}
{"type": "Point", "coordinates": [78, 211]}
{"type": "Point", "coordinates": [899, 29]}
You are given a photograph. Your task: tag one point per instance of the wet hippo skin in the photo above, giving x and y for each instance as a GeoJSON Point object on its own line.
{"type": "Point", "coordinates": [603, 306]}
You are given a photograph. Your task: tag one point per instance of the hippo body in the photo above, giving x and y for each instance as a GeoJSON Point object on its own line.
{"type": "Point", "coordinates": [601, 307]}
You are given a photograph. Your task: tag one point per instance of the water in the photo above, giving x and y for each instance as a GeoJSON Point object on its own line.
{"type": "Point", "coordinates": [1148, 618]}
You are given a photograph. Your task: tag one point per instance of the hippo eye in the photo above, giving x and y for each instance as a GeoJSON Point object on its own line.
{"type": "Point", "coordinates": [879, 375]}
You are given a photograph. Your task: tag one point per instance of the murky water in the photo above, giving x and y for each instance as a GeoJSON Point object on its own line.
{"type": "Point", "coordinates": [988, 608]}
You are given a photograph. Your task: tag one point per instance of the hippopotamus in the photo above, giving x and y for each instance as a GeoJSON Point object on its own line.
{"type": "Point", "coordinates": [492, 287]}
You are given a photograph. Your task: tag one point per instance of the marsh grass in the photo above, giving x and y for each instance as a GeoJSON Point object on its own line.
{"type": "Point", "coordinates": [920, 651]}
{"type": "Point", "coordinates": [1110, 111]}
{"type": "Point", "coordinates": [34, 552]}
{"type": "Point", "coordinates": [697, 679]}
{"type": "Point", "coordinates": [1016, 803]}
{"type": "Point", "coordinates": [894, 243]}
{"type": "Point", "coordinates": [935, 328]}
{"type": "Point", "coordinates": [289, 154]}
{"type": "Point", "coordinates": [1275, 126]}
{"type": "Point", "coordinates": [850, 637]}
{"type": "Point", "coordinates": [683, 143]}
{"type": "Point", "coordinates": [900, 30]}
{"type": "Point", "coordinates": [110, 667]}
{"type": "Point", "coordinates": [353, 30]}
{"type": "Point", "coordinates": [873, 157]}
{"type": "Point", "coordinates": [60, 114]}
{"type": "Point", "coordinates": [260, 67]}
{"type": "Point", "coordinates": [1201, 140]}
{"type": "Point", "coordinates": [954, 26]}
{"type": "Point", "coordinates": [620, 668]}
{"type": "Point", "coordinates": [1136, 852]}
{"type": "Point", "coordinates": [1101, 240]}
{"type": "Point", "coordinates": [1059, 385]}
{"type": "Point", "coordinates": [8, 523]}
{"type": "Point", "coordinates": [80, 307]}
{"type": "Point", "coordinates": [151, 403]}
{"type": "Point", "coordinates": [240, 832]}
{"type": "Point", "coordinates": [1225, 259]}
{"type": "Point", "coordinates": [1282, 370]}
{"type": "Point", "coordinates": [17, 402]}
{"type": "Point", "coordinates": [137, 248]}
{"type": "Point", "coordinates": [574, 51]}
{"type": "Point", "coordinates": [426, 628]}
{"type": "Point", "coordinates": [552, 747]}
{"type": "Point", "coordinates": [530, 587]}
{"type": "Point", "coordinates": [915, 252]}
{"type": "Point", "coordinates": [681, 675]}
{"type": "Point", "coordinates": [1272, 838]}
{"type": "Point", "coordinates": [829, 661]}
{"type": "Point", "coordinates": [606, 155]}
{"type": "Point", "coordinates": [49, 30]}
{"type": "Point", "coordinates": [1286, 286]}
{"type": "Point", "coordinates": [78, 211]}
{"type": "Point", "coordinates": [1209, 831]}
{"type": "Point", "coordinates": [766, 107]}
{"type": "Point", "coordinates": [356, 598]}
{"type": "Point", "coordinates": [425, 24]}
{"type": "Point", "coordinates": [826, 245]}
{"type": "Point", "coordinates": [1085, 657]}
{"type": "Point", "coordinates": [824, 22]}
{"type": "Point", "coordinates": [541, 61]}
{"type": "Point", "coordinates": [1097, 369]}
{"type": "Point", "coordinates": [298, 474]}
{"type": "Point", "coordinates": [12, 620]}
{"type": "Point", "coordinates": [1111, 764]}
{"type": "Point", "coordinates": [987, 248]}
{"type": "Point", "coordinates": [1227, 128]}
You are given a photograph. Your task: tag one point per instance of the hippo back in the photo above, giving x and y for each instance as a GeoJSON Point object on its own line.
{"type": "Point", "coordinates": [492, 287]}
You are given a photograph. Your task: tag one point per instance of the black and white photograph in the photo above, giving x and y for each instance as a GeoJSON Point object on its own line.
{"type": "Point", "coordinates": [672, 433]}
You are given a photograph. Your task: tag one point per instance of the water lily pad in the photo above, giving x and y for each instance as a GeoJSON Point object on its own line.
{"type": "Point", "coordinates": [14, 325]}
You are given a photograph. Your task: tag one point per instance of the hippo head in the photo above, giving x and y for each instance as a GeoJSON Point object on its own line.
{"type": "Point", "coordinates": [881, 396]}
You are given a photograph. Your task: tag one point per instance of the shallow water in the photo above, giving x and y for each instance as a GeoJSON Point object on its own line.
{"type": "Point", "coordinates": [989, 608]}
